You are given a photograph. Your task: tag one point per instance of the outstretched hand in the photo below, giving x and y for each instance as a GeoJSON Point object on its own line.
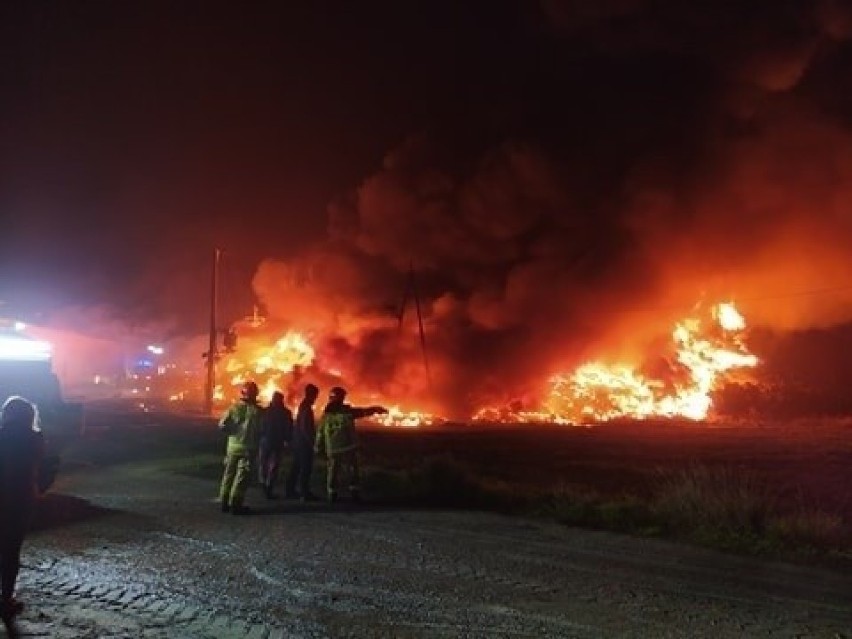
{"type": "Point", "coordinates": [378, 410]}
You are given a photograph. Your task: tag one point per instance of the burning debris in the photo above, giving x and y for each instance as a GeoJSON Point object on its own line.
{"type": "Point", "coordinates": [269, 365]}
{"type": "Point", "coordinates": [288, 362]}
{"type": "Point", "coordinates": [707, 351]}
{"type": "Point", "coordinates": [706, 355]}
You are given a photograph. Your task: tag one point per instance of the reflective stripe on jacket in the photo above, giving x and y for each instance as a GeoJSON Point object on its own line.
{"type": "Point", "coordinates": [336, 433]}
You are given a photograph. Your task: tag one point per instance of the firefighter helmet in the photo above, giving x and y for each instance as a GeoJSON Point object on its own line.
{"type": "Point", "coordinates": [337, 394]}
{"type": "Point", "coordinates": [249, 391]}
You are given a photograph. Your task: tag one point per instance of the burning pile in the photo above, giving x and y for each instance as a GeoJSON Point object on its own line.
{"type": "Point", "coordinates": [271, 366]}
{"type": "Point", "coordinates": [286, 364]}
{"type": "Point", "coordinates": [598, 392]}
{"type": "Point", "coordinates": [707, 352]}
{"type": "Point", "coordinates": [704, 359]}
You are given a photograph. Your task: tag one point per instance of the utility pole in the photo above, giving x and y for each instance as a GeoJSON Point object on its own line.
{"type": "Point", "coordinates": [411, 289]}
{"type": "Point", "coordinates": [212, 353]}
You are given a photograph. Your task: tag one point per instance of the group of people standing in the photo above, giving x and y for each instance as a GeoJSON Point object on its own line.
{"type": "Point", "coordinates": [258, 435]}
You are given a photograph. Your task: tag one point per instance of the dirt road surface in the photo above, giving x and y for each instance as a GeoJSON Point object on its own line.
{"type": "Point", "coordinates": [141, 552]}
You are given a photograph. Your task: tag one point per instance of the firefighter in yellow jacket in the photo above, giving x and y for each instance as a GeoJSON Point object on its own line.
{"type": "Point", "coordinates": [242, 424]}
{"type": "Point", "coordinates": [336, 437]}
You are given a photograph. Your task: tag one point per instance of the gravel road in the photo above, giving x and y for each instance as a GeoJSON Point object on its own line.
{"type": "Point", "coordinates": [143, 553]}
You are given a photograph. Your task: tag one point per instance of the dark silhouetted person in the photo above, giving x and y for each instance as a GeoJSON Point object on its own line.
{"type": "Point", "coordinates": [21, 452]}
{"type": "Point", "coordinates": [275, 435]}
{"type": "Point", "coordinates": [336, 436]}
{"type": "Point", "coordinates": [242, 424]}
{"type": "Point", "coordinates": [304, 437]}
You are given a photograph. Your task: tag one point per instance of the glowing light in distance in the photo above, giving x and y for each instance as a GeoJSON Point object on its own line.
{"type": "Point", "coordinates": [20, 349]}
{"type": "Point", "coordinates": [156, 350]}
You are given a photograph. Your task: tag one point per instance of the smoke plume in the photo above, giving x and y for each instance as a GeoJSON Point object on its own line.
{"type": "Point", "coordinates": [530, 258]}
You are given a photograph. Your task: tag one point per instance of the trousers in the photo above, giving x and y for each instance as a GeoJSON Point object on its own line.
{"type": "Point", "coordinates": [343, 463]}
{"type": "Point", "coordinates": [299, 477]}
{"type": "Point", "coordinates": [235, 479]}
{"type": "Point", "coordinates": [269, 463]}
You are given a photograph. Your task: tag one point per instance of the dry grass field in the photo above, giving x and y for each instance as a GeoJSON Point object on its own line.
{"type": "Point", "coordinates": [805, 460]}
{"type": "Point", "coordinates": [754, 487]}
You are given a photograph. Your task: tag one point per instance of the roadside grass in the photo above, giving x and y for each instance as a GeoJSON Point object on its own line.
{"type": "Point", "coordinates": [724, 507]}
{"type": "Point", "coordinates": [720, 507]}
{"type": "Point", "coordinates": [736, 509]}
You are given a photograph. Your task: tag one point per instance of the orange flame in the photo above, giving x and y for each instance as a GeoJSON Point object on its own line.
{"type": "Point", "coordinates": [705, 355]}
{"type": "Point", "coordinates": [273, 367]}
{"type": "Point", "coordinates": [599, 392]}
{"type": "Point", "coordinates": [402, 419]}
{"type": "Point", "coordinates": [267, 365]}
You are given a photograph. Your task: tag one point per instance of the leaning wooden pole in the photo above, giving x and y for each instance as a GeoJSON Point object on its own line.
{"type": "Point", "coordinates": [212, 350]}
{"type": "Point", "coordinates": [416, 296]}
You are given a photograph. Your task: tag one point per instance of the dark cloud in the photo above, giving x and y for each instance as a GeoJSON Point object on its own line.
{"type": "Point", "coordinates": [768, 45]}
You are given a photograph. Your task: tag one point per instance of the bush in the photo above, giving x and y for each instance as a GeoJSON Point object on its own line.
{"type": "Point", "coordinates": [628, 514]}
{"type": "Point", "coordinates": [718, 503]}
{"type": "Point", "coordinates": [809, 530]}
{"type": "Point", "coordinates": [570, 505]}
{"type": "Point", "coordinates": [736, 509]}
{"type": "Point", "coordinates": [567, 504]}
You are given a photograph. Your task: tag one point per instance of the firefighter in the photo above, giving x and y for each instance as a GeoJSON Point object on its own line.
{"type": "Point", "coordinates": [21, 453]}
{"type": "Point", "coordinates": [336, 436]}
{"type": "Point", "coordinates": [242, 424]}
{"type": "Point", "coordinates": [304, 435]}
{"type": "Point", "coordinates": [275, 436]}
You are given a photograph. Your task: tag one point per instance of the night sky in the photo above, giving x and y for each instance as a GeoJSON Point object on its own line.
{"type": "Point", "coordinates": [138, 135]}
{"type": "Point", "coordinates": [531, 158]}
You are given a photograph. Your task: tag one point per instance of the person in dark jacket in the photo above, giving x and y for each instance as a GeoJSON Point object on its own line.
{"type": "Point", "coordinates": [304, 434]}
{"type": "Point", "coordinates": [21, 452]}
{"type": "Point", "coordinates": [336, 436]}
{"type": "Point", "coordinates": [275, 435]}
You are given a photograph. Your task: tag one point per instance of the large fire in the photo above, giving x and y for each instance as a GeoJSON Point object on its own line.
{"type": "Point", "coordinates": [269, 365]}
{"type": "Point", "coordinates": [705, 353]}
{"type": "Point", "coordinates": [705, 357]}
{"type": "Point", "coordinates": [284, 363]}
